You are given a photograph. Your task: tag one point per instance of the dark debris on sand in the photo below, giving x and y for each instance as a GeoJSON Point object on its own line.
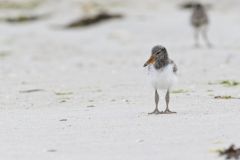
{"type": "Point", "coordinates": [231, 153]}
{"type": "Point", "coordinates": [87, 21]}
{"type": "Point", "coordinates": [31, 90]}
{"type": "Point", "coordinates": [91, 106]}
{"type": "Point", "coordinates": [191, 4]}
{"type": "Point", "coordinates": [225, 97]}
{"type": "Point", "coordinates": [24, 18]}
{"type": "Point", "coordinates": [188, 5]}
{"type": "Point", "coordinates": [52, 150]}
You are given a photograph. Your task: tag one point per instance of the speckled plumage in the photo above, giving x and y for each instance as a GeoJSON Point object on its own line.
{"type": "Point", "coordinates": [163, 62]}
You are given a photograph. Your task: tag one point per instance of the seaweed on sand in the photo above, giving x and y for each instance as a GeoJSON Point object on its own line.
{"type": "Point", "coordinates": [4, 54]}
{"type": "Point", "coordinates": [6, 4]}
{"type": "Point", "coordinates": [230, 152]}
{"type": "Point", "coordinates": [87, 21]}
{"type": "Point", "coordinates": [63, 96]}
{"type": "Point", "coordinates": [31, 90]}
{"type": "Point", "coordinates": [63, 93]}
{"type": "Point", "coordinates": [226, 83]}
{"type": "Point", "coordinates": [24, 18]}
{"type": "Point", "coordinates": [225, 97]}
{"type": "Point", "coordinates": [179, 91]}
{"type": "Point", "coordinates": [188, 5]}
{"type": "Point", "coordinates": [191, 4]}
{"type": "Point", "coordinates": [229, 83]}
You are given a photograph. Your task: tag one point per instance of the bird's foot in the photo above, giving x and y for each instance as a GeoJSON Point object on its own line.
{"type": "Point", "coordinates": [156, 111]}
{"type": "Point", "coordinates": [167, 111]}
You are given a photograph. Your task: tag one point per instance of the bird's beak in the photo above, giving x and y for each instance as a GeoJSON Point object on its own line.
{"type": "Point", "coordinates": [151, 60]}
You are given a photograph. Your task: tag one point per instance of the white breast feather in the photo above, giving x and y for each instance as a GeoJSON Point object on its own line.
{"type": "Point", "coordinates": [163, 78]}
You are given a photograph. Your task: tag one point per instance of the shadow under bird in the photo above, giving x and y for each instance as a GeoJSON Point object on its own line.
{"type": "Point", "coordinates": [162, 72]}
{"type": "Point", "coordinates": [200, 21]}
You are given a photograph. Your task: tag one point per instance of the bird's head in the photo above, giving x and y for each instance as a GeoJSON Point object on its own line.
{"type": "Point", "coordinates": [159, 53]}
{"type": "Point", "coordinates": [198, 6]}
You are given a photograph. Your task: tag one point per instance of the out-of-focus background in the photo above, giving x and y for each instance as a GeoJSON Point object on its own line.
{"type": "Point", "coordinates": [71, 89]}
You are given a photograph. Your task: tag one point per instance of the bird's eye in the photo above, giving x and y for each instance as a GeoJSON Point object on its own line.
{"type": "Point", "coordinates": [157, 53]}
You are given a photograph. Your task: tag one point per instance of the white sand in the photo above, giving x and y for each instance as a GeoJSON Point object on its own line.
{"type": "Point", "coordinates": [102, 66]}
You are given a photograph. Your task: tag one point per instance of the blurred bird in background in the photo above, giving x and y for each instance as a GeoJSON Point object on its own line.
{"type": "Point", "coordinates": [200, 21]}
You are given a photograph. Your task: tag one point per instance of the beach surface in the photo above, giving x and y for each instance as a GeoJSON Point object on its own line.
{"type": "Point", "coordinates": [83, 93]}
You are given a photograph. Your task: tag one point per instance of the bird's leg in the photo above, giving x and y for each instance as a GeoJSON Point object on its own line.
{"type": "Point", "coordinates": [167, 111]}
{"type": "Point", "coordinates": [156, 111]}
{"type": "Point", "coordinates": [204, 34]}
{"type": "Point", "coordinates": [196, 37]}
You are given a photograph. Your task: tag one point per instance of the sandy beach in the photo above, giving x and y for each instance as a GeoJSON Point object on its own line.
{"type": "Point", "coordinates": [83, 93]}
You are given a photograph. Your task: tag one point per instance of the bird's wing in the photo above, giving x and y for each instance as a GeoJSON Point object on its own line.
{"type": "Point", "coordinates": [174, 66]}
